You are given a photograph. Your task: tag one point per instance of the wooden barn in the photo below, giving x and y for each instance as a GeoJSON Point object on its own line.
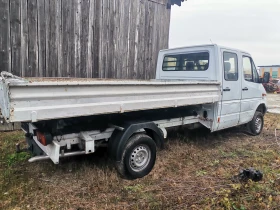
{"type": "Point", "coordinates": [83, 38]}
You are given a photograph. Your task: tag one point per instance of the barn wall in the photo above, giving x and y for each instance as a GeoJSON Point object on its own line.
{"type": "Point", "coordinates": [82, 38]}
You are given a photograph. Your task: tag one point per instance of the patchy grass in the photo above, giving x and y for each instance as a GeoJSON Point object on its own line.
{"type": "Point", "coordinates": [195, 171]}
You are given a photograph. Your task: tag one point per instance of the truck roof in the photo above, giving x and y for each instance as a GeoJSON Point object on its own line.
{"type": "Point", "coordinates": [206, 45]}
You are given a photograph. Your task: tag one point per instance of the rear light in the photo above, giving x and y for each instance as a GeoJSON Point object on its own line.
{"type": "Point", "coordinates": [44, 138]}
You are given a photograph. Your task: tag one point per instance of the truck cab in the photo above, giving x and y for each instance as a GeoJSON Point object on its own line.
{"type": "Point", "coordinates": [242, 93]}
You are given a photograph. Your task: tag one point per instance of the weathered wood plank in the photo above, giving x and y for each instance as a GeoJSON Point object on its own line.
{"type": "Point", "coordinates": [47, 34]}
{"type": "Point", "coordinates": [96, 51]}
{"type": "Point", "coordinates": [53, 38]}
{"type": "Point", "coordinates": [126, 12]}
{"type": "Point", "coordinates": [150, 39]}
{"type": "Point", "coordinates": [15, 20]}
{"type": "Point", "coordinates": [85, 17]}
{"type": "Point", "coordinates": [10, 126]}
{"type": "Point", "coordinates": [147, 33]}
{"type": "Point", "coordinates": [103, 39]}
{"type": "Point", "coordinates": [52, 67]}
{"type": "Point", "coordinates": [41, 37]}
{"type": "Point", "coordinates": [33, 38]}
{"type": "Point", "coordinates": [24, 38]}
{"type": "Point", "coordinates": [123, 39]}
{"type": "Point", "coordinates": [67, 38]}
{"type": "Point", "coordinates": [77, 28]}
{"type": "Point", "coordinates": [5, 48]}
{"type": "Point", "coordinates": [167, 29]}
{"type": "Point", "coordinates": [141, 42]}
{"type": "Point", "coordinates": [116, 33]}
{"type": "Point", "coordinates": [165, 44]}
{"type": "Point", "coordinates": [111, 44]}
{"type": "Point", "coordinates": [90, 38]}
{"type": "Point", "coordinates": [106, 36]}
{"type": "Point", "coordinates": [136, 10]}
{"type": "Point", "coordinates": [155, 42]}
{"type": "Point", "coordinates": [133, 38]}
{"type": "Point", "coordinates": [71, 41]}
{"type": "Point", "coordinates": [59, 37]}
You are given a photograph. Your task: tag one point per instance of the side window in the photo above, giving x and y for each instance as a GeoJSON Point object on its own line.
{"type": "Point", "coordinates": [186, 62]}
{"type": "Point", "coordinates": [230, 66]}
{"type": "Point", "coordinates": [249, 70]}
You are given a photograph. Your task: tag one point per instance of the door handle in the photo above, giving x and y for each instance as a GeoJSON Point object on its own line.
{"type": "Point", "coordinates": [226, 89]}
{"type": "Point", "coordinates": [245, 89]}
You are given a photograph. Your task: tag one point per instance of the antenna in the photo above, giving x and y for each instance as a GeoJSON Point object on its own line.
{"type": "Point", "coordinates": [211, 41]}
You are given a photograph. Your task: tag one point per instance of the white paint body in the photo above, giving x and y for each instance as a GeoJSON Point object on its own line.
{"type": "Point", "coordinates": [37, 99]}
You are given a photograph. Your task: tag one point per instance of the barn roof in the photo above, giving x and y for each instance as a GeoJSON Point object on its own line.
{"type": "Point", "coordinates": [177, 2]}
{"type": "Point", "coordinates": [174, 2]}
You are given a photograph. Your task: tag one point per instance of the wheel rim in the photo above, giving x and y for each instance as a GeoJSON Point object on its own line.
{"type": "Point", "coordinates": [140, 157]}
{"type": "Point", "coordinates": [258, 124]}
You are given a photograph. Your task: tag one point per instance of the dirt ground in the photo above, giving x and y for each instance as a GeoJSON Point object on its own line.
{"type": "Point", "coordinates": [196, 171]}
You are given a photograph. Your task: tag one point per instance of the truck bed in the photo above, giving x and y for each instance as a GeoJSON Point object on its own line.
{"type": "Point", "coordinates": [37, 99]}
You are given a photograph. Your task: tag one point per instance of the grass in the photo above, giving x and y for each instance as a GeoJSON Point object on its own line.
{"type": "Point", "coordinates": [195, 171]}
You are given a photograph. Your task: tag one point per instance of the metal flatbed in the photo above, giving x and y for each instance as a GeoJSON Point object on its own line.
{"type": "Point", "coordinates": [38, 99]}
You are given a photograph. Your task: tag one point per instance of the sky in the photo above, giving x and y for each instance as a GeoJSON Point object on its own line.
{"type": "Point", "coordinates": [249, 25]}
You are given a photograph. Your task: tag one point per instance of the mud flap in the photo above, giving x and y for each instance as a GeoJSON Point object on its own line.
{"type": "Point", "coordinates": [33, 148]}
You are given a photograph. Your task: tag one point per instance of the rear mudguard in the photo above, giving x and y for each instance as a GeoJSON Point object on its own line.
{"type": "Point", "coordinates": [119, 139]}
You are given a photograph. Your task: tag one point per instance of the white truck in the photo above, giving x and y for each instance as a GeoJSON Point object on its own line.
{"type": "Point", "coordinates": [209, 85]}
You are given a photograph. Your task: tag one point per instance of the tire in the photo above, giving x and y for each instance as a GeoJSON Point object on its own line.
{"type": "Point", "coordinates": [255, 126]}
{"type": "Point", "coordinates": [138, 157]}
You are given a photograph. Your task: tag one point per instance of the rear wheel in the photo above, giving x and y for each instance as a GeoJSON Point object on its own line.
{"type": "Point", "coordinates": [256, 125]}
{"type": "Point", "coordinates": [138, 157]}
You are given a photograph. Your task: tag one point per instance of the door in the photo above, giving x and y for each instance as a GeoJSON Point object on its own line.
{"type": "Point", "coordinates": [251, 89]}
{"type": "Point", "coordinates": [231, 90]}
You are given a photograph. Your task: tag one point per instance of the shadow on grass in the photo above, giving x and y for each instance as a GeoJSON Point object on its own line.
{"type": "Point", "coordinates": [98, 160]}
{"type": "Point", "coordinates": [203, 138]}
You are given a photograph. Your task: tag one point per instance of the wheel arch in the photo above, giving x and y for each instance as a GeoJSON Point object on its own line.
{"type": "Point", "coordinates": [119, 139]}
{"type": "Point", "coordinates": [262, 108]}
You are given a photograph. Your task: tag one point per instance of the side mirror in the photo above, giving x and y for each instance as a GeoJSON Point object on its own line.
{"type": "Point", "coordinates": [266, 77]}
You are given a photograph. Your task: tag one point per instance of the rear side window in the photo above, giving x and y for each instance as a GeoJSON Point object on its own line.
{"type": "Point", "coordinates": [230, 66]}
{"type": "Point", "coordinates": [186, 62]}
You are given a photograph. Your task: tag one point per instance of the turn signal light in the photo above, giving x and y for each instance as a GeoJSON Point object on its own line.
{"type": "Point", "coordinates": [44, 138]}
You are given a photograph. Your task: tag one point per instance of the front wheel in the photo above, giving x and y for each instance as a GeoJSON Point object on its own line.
{"type": "Point", "coordinates": [256, 125]}
{"type": "Point", "coordinates": [138, 157]}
